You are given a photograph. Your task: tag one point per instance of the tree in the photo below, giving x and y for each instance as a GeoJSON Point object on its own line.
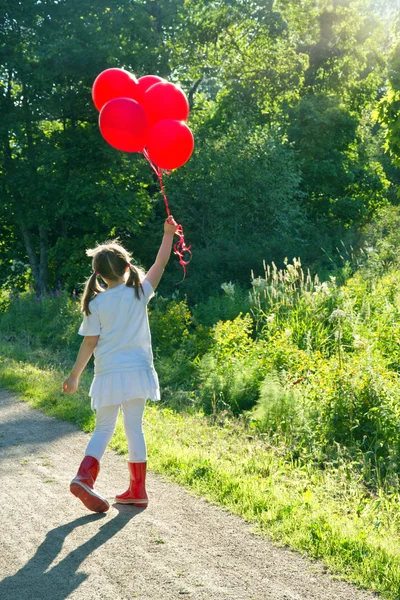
{"type": "Point", "coordinates": [282, 95]}
{"type": "Point", "coordinates": [61, 185]}
{"type": "Point", "coordinates": [389, 108]}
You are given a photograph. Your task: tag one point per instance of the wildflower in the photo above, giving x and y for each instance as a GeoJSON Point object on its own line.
{"type": "Point", "coordinates": [259, 283]}
{"type": "Point", "coordinates": [229, 288]}
{"type": "Point", "coordinates": [358, 342]}
{"type": "Point", "coordinates": [322, 289]}
{"type": "Point", "coordinates": [337, 314]}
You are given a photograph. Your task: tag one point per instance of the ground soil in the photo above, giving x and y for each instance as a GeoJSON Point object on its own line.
{"type": "Point", "coordinates": [181, 546]}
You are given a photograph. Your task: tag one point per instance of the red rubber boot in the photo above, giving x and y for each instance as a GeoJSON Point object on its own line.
{"type": "Point", "coordinates": [82, 485]}
{"type": "Point", "coordinates": [136, 493]}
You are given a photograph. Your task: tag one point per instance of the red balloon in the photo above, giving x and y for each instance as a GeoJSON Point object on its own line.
{"type": "Point", "coordinates": [114, 83]}
{"type": "Point", "coordinates": [165, 101]}
{"type": "Point", "coordinates": [170, 144]}
{"type": "Point", "coordinates": [123, 124]}
{"type": "Point", "coordinates": [145, 83]}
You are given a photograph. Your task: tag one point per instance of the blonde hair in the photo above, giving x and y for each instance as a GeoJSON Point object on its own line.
{"type": "Point", "coordinates": [109, 260]}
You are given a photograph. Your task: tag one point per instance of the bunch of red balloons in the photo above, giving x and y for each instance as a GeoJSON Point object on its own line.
{"type": "Point", "coordinates": [144, 115]}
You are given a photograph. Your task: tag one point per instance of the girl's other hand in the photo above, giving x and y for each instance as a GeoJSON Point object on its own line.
{"type": "Point", "coordinates": [70, 385]}
{"type": "Point", "coordinates": [170, 225]}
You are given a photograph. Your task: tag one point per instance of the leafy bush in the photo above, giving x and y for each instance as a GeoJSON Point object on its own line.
{"type": "Point", "coordinates": [228, 306]}
{"type": "Point", "coordinates": [176, 374]}
{"type": "Point", "coordinates": [52, 321]}
{"type": "Point", "coordinates": [5, 300]}
{"type": "Point", "coordinates": [229, 374]}
{"type": "Point", "coordinates": [356, 404]}
{"type": "Point", "coordinates": [170, 322]}
{"type": "Point", "coordinates": [290, 299]}
{"type": "Point", "coordinates": [382, 240]}
{"type": "Point", "coordinates": [277, 408]}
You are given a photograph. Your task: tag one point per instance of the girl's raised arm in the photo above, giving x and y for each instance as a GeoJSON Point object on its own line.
{"type": "Point", "coordinates": [155, 273]}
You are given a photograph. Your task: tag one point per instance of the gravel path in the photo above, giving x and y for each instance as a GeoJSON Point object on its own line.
{"type": "Point", "coordinates": [179, 547]}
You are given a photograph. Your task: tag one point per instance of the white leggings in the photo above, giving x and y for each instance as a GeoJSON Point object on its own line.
{"type": "Point", "coordinates": [106, 421]}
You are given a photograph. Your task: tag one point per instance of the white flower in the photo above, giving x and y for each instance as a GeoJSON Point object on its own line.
{"type": "Point", "coordinates": [322, 289]}
{"type": "Point", "coordinates": [229, 288]}
{"type": "Point", "coordinates": [337, 314]}
{"type": "Point", "coordinates": [358, 342]}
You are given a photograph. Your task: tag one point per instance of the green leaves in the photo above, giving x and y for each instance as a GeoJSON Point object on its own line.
{"type": "Point", "coordinates": [287, 156]}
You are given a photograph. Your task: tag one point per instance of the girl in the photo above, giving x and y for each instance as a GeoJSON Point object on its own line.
{"type": "Point", "coordinates": [116, 330]}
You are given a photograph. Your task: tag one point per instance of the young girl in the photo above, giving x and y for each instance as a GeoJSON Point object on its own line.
{"type": "Point", "coordinates": [116, 330]}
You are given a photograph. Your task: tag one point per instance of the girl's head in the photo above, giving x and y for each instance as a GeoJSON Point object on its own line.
{"type": "Point", "coordinates": [110, 261]}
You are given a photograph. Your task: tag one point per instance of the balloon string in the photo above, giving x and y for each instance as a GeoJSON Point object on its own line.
{"type": "Point", "coordinates": [180, 246]}
{"type": "Point", "coordinates": [158, 172]}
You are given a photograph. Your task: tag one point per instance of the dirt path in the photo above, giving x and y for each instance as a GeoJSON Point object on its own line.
{"type": "Point", "coordinates": [180, 547]}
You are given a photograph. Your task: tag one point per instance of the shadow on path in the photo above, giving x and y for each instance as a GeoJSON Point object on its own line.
{"type": "Point", "coordinates": [35, 430]}
{"type": "Point", "coordinates": [32, 582]}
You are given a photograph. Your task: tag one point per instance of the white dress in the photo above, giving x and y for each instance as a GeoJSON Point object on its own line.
{"type": "Point", "coordinates": [123, 358]}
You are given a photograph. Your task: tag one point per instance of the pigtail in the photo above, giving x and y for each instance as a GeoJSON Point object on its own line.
{"type": "Point", "coordinates": [92, 288]}
{"type": "Point", "coordinates": [134, 280]}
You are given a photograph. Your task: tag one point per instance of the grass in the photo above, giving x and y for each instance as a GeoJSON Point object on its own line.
{"type": "Point", "coordinates": [326, 514]}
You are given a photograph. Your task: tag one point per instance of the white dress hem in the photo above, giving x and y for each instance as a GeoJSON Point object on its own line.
{"type": "Point", "coordinates": [118, 387]}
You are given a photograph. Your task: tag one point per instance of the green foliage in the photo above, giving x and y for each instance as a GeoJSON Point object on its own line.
{"type": "Point", "coordinates": [177, 345]}
{"type": "Point", "coordinates": [389, 108]}
{"type": "Point", "coordinates": [223, 307]}
{"type": "Point", "coordinates": [341, 176]}
{"type": "Point", "coordinates": [287, 159]}
{"type": "Point", "coordinates": [170, 322]}
{"type": "Point", "coordinates": [357, 405]}
{"type": "Point", "coordinates": [51, 321]}
{"type": "Point", "coordinates": [277, 409]}
{"type": "Point", "coordinates": [292, 303]}
{"type": "Point", "coordinates": [5, 300]}
{"type": "Point", "coordinates": [382, 240]}
{"type": "Point", "coordinates": [238, 187]}
{"type": "Point", "coordinates": [228, 374]}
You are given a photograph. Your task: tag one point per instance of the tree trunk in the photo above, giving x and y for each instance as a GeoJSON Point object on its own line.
{"type": "Point", "coordinates": [40, 268]}
{"type": "Point", "coordinates": [33, 260]}
{"type": "Point", "coordinates": [193, 90]}
{"type": "Point", "coordinates": [43, 266]}
{"type": "Point", "coordinates": [236, 219]}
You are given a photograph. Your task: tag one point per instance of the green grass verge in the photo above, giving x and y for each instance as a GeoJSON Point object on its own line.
{"type": "Point", "coordinates": [325, 514]}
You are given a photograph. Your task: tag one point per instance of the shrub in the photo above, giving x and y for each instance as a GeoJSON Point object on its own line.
{"type": "Point", "coordinates": [382, 240]}
{"type": "Point", "coordinates": [290, 299]}
{"type": "Point", "coordinates": [229, 374]}
{"type": "Point", "coordinates": [50, 320]}
{"type": "Point", "coordinates": [169, 322]}
{"type": "Point", "coordinates": [356, 405]}
{"type": "Point", "coordinates": [227, 306]}
{"type": "Point", "coordinates": [277, 407]}
{"type": "Point", "coordinates": [5, 300]}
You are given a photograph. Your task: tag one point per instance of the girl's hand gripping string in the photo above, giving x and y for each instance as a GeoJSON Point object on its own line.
{"type": "Point", "coordinates": [170, 225]}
